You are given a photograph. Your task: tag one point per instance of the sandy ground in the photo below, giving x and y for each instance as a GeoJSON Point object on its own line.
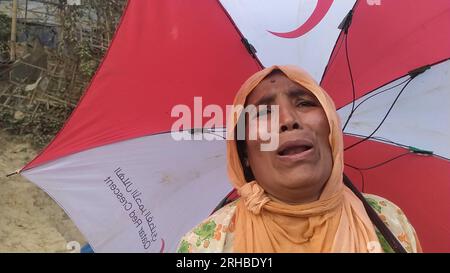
{"type": "Point", "coordinates": [30, 221]}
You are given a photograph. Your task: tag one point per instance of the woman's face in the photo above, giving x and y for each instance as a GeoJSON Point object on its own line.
{"type": "Point", "coordinates": [297, 171]}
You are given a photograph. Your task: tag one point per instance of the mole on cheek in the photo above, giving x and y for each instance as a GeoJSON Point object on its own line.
{"type": "Point", "coordinates": [273, 81]}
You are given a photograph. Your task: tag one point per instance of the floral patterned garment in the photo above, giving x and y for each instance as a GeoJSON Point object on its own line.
{"type": "Point", "coordinates": [216, 233]}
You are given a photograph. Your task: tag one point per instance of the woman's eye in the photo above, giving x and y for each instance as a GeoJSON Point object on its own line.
{"type": "Point", "coordinates": [263, 111]}
{"type": "Point", "coordinates": [306, 103]}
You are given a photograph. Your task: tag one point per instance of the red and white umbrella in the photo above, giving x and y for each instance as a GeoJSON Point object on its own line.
{"type": "Point", "coordinates": [117, 171]}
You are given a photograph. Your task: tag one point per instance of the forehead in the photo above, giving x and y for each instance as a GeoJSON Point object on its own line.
{"type": "Point", "coordinates": [276, 83]}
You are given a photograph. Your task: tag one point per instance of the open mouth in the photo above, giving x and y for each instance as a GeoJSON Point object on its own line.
{"type": "Point", "coordinates": [293, 148]}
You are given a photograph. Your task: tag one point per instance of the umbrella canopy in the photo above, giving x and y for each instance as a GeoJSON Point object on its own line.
{"type": "Point", "coordinates": [118, 172]}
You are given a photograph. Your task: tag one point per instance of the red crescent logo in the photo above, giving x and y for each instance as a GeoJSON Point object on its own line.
{"type": "Point", "coordinates": [319, 12]}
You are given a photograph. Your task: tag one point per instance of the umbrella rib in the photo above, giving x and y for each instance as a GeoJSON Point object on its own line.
{"type": "Point", "coordinates": [381, 139]}
{"type": "Point", "coordinates": [352, 81]}
{"type": "Point", "coordinates": [344, 27]}
{"type": "Point", "coordinates": [361, 174]}
{"type": "Point", "coordinates": [379, 92]}
{"type": "Point", "coordinates": [243, 39]}
{"type": "Point", "coordinates": [384, 118]}
{"type": "Point", "coordinates": [378, 164]}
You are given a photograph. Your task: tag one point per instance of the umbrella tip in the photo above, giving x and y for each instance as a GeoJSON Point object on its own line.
{"type": "Point", "coordinates": [346, 22]}
{"type": "Point", "coordinates": [414, 73]}
{"type": "Point", "coordinates": [13, 173]}
{"type": "Point", "coordinates": [420, 151]}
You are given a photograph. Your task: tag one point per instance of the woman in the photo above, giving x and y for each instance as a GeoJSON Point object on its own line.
{"type": "Point", "coordinates": [293, 199]}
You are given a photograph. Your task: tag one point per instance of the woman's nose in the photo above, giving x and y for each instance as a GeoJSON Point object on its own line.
{"type": "Point", "coordinates": [288, 119]}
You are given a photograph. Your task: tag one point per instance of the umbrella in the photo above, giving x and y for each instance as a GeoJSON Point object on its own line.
{"type": "Point", "coordinates": [117, 167]}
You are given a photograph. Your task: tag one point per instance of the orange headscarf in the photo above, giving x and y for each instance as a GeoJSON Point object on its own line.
{"type": "Point", "coordinates": [336, 222]}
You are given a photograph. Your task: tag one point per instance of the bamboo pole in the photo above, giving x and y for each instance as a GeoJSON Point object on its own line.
{"type": "Point", "coordinates": [13, 31]}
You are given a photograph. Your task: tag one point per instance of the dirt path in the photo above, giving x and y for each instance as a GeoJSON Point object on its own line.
{"type": "Point", "coordinates": [30, 221]}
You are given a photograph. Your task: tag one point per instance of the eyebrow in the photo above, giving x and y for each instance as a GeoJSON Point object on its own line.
{"type": "Point", "coordinates": [298, 92]}
{"type": "Point", "coordinates": [295, 92]}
